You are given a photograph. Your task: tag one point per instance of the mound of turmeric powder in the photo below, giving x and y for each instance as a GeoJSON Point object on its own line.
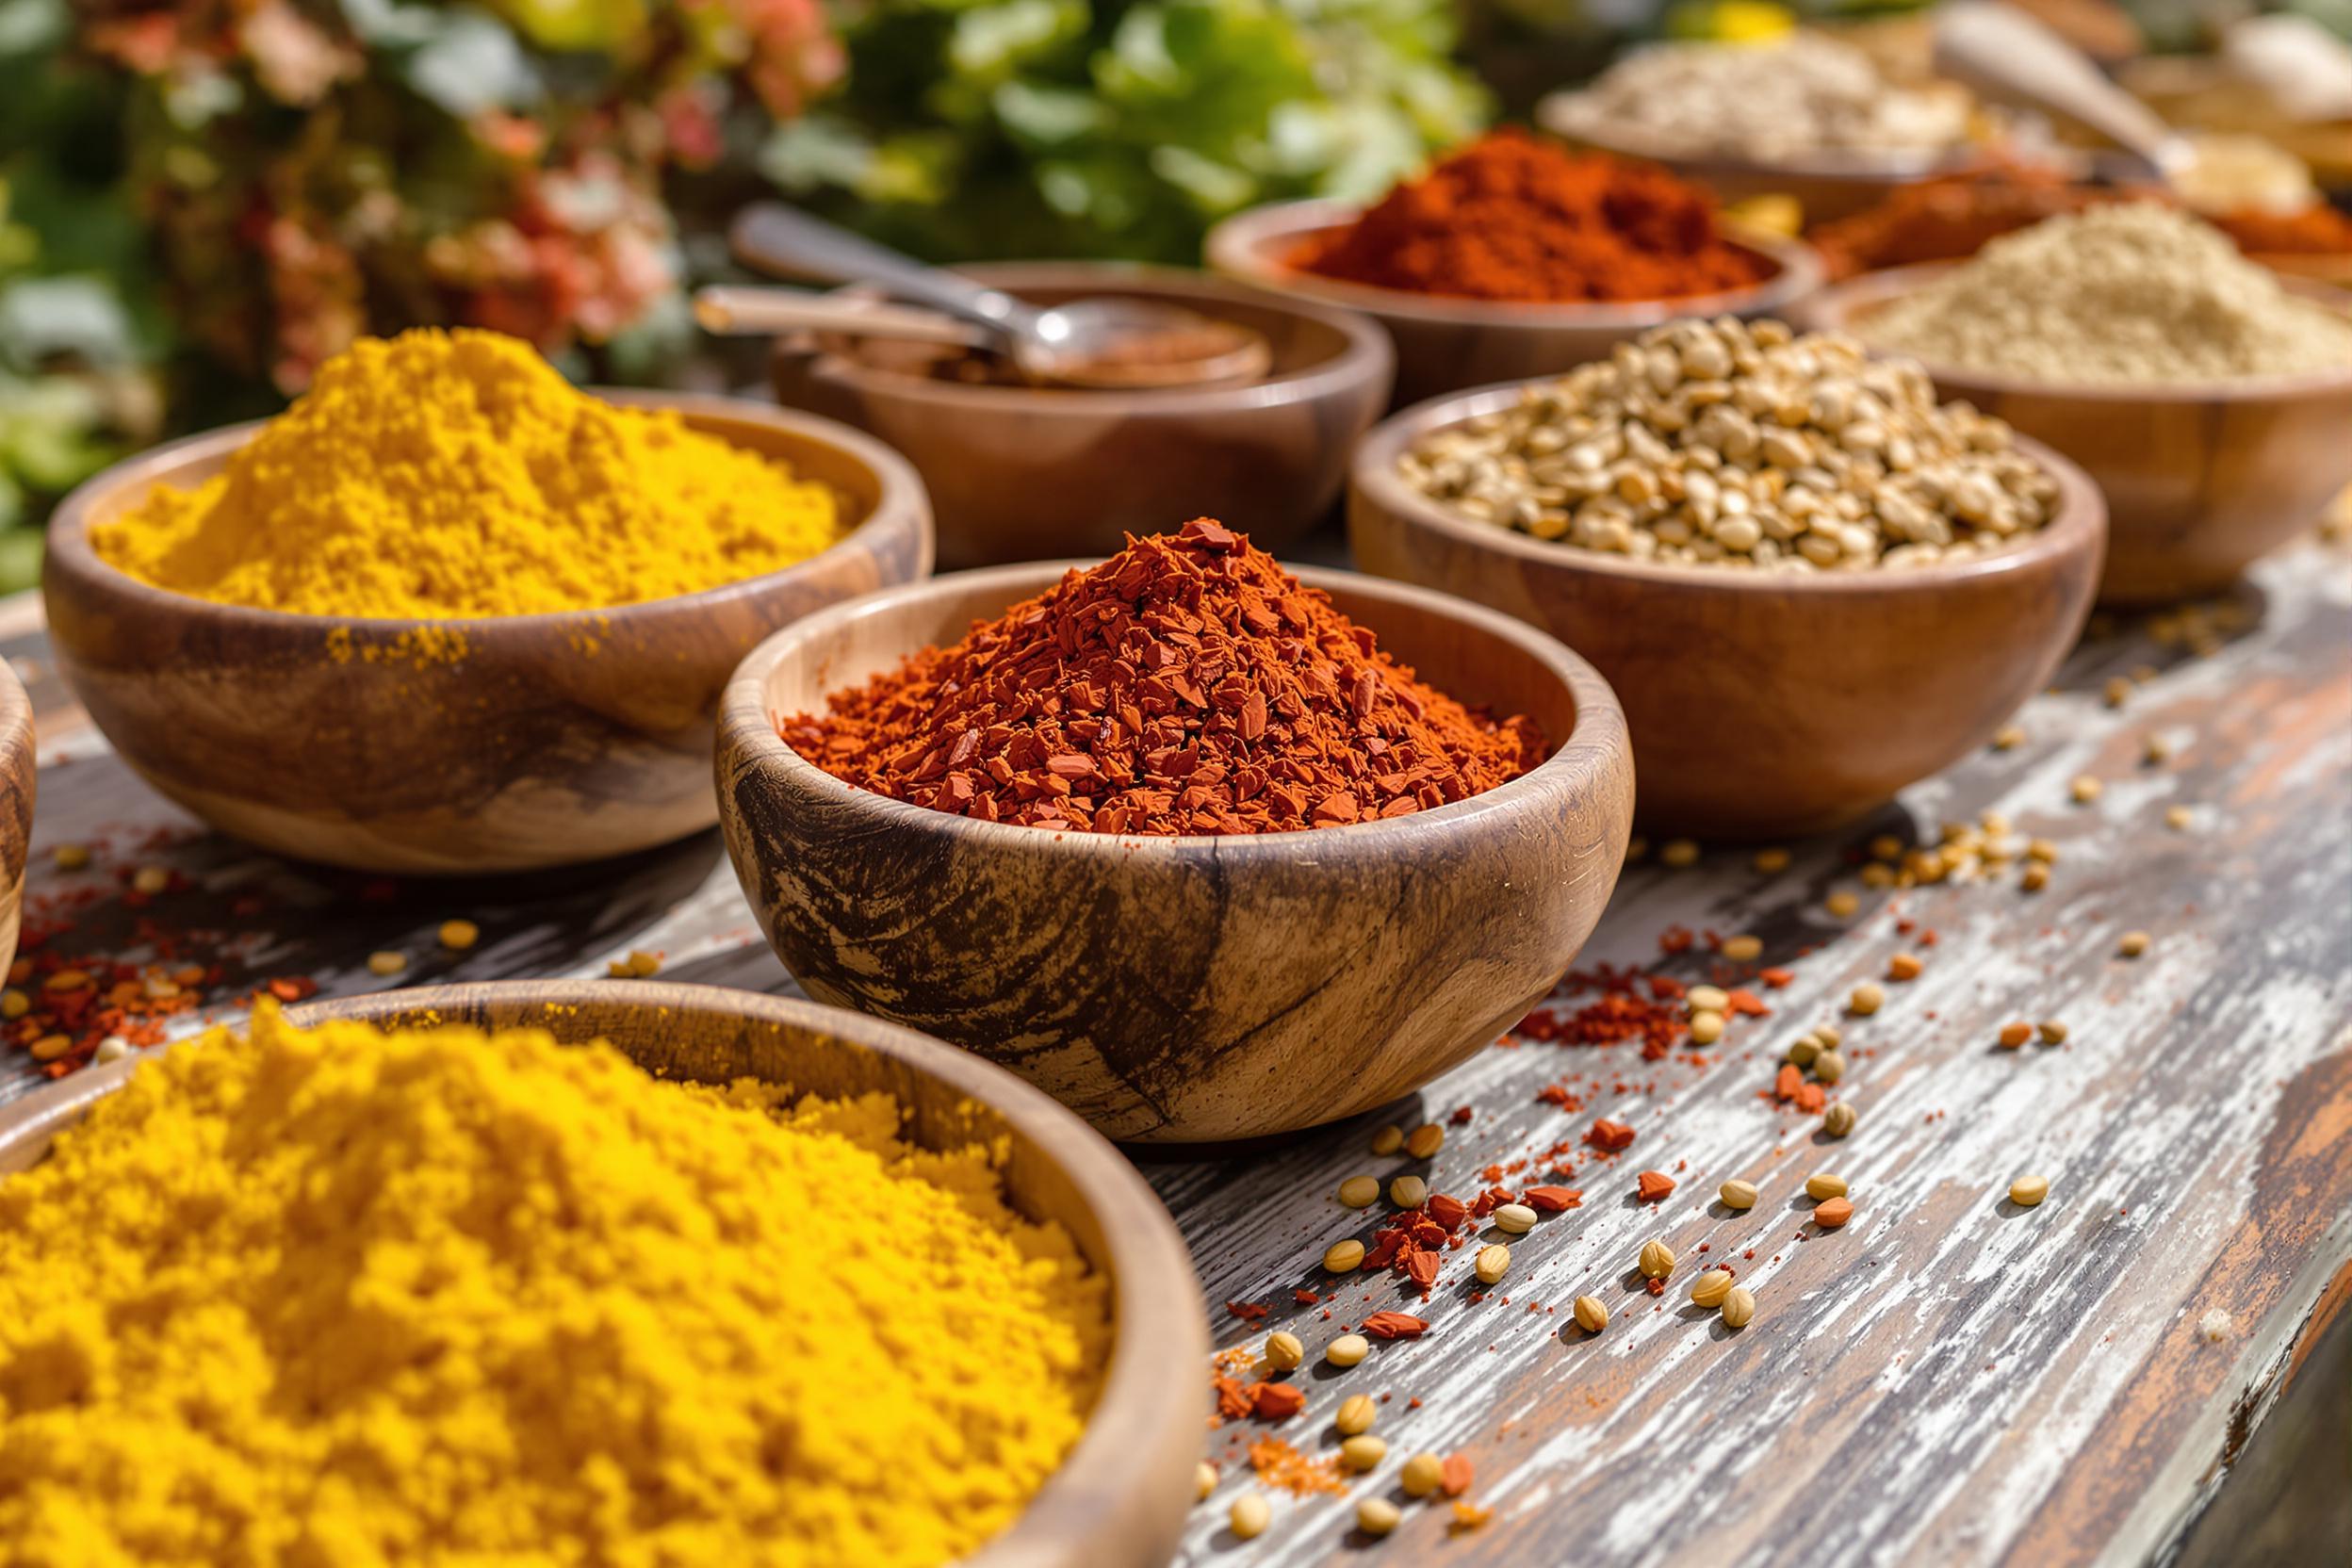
{"type": "Point", "coordinates": [338, 1297]}
{"type": "Point", "coordinates": [442, 474]}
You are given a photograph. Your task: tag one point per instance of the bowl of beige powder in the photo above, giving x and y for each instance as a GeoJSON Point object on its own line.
{"type": "Point", "coordinates": [2208, 397]}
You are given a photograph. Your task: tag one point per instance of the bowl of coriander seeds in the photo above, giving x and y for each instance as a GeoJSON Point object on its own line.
{"type": "Point", "coordinates": [1809, 583]}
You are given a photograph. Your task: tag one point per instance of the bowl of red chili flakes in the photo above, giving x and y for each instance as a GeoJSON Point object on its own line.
{"type": "Point", "coordinates": [1206, 850]}
{"type": "Point", "coordinates": [1516, 257]}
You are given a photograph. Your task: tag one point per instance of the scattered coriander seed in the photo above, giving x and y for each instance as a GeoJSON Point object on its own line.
{"type": "Point", "coordinates": [2035, 877]}
{"type": "Point", "coordinates": [1994, 824]}
{"type": "Point", "coordinates": [1867, 998]}
{"type": "Point", "coordinates": [1832, 1214]}
{"type": "Point", "coordinates": [1886, 847]}
{"type": "Point", "coordinates": [1422, 1476]}
{"type": "Point", "coordinates": [14, 1003]}
{"type": "Point", "coordinates": [1376, 1516]}
{"type": "Point", "coordinates": [2008, 737]}
{"type": "Point", "coordinates": [2085, 789]}
{"type": "Point", "coordinates": [1388, 1140]}
{"type": "Point", "coordinates": [1679, 853]}
{"type": "Point", "coordinates": [1904, 966]}
{"type": "Point", "coordinates": [1204, 1481]}
{"type": "Point", "coordinates": [2026, 1191]}
{"type": "Point", "coordinates": [1706, 1028]}
{"type": "Point", "coordinates": [1360, 1192]}
{"type": "Point", "coordinates": [1493, 1261]}
{"type": "Point", "coordinates": [1710, 1288]}
{"type": "Point", "coordinates": [1838, 1120]}
{"type": "Point", "coordinates": [1843, 905]}
{"type": "Point", "coordinates": [1657, 1260]}
{"type": "Point", "coordinates": [71, 856]}
{"type": "Point", "coordinates": [638, 965]}
{"type": "Point", "coordinates": [1742, 950]}
{"type": "Point", "coordinates": [387, 964]}
{"type": "Point", "coordinates": [1878, 874]}
{"type": "Point", "coordinates": [2011, 1036]}
{"type": "Point", "coordinates": [1738, 1307]}
{"type": "Point", "coordinates": [1363, 1452]}
{"type": "Point", "coordinates": [50, 1047]}
{"type": "Point", "coordinates": [2043, 850]}
{"type": "Point", "coordinates": [1821, 1186]}
{"type": "Point", "coordinates": [2156, 750]}
{"type": "Point", "coordinates": [1408, 1192]}
{"type": "Point", "coordinates": [1283, 1351]}
{"type": "Point", "coordinates": [1347, 1351]}
{"type": "Point", "coordinates": [1513, 1219]}
{"type": "Point", "coordinates": [1344, 1257]}
{"type": "Point", "coordinates": [1804, 1049]}
{"type": "Point", "coordinates": [112, 1049]}
{"type": "Point", "coordinates": [2117, 691]}
{"type": "Point", "coordinates": [2053, 1032]}
{"type": "Point", "coordinates": [2133, 944]}
{"type": "Point", "coordinates": [1249, 1516]}
{"type": "Point", "coordinates": [1427, 1139]}
{"type": "Point", "coordinates": [1829, 1067]}
{"type": "Point", "coordinates": [1737, 1194]}
{"type": "Point", "coordinates": [151, 879]}
{"type": "Point", "coordinates": [458, 935]}
{"type": "Point", "coordinates": [1592, 1313]}
{"type": "Point", "coordinates": [1829, 1034]}
{"type": "Point", "coordinates": [1771, 862]}
{"type": "Point", "coordinates": [1356, 1415]}
{"type": "Point", "coordinates": [2177, 818]}
{"type": "Point", "coordinates": [1706, 999]}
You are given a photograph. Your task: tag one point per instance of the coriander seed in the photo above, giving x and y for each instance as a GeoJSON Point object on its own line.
{"type": "Point", "coordinates": [1376, 1516]}
{"type": "Point", "coordinates": [1830, 1066]}
{"type": "Point", "coordinates": [1710, 1288]}
{"type": "Point", "coordinates": [1427, 1140]}
{"type": "Point", "coordinates": [1360, 1192]}
{"type": "Point", "coordinates": [1592, 1313]}
{"type": "Point", "coordinates": [1514, 1219]}
{"type": "Point", "coordinates": [1388, 1140]}
{"type": "Point", "coordinates": [1491, 1263]}
{"type": "Point", "coordinates": [1706, 1028]}
{"type": "Point", "coordinates": [1347, 1351]}
{"type": "Point", "coordinates": [1738, 1307]}
{"type": "Point", "coordinates": [1422, 1476]}
{"type": "Point", "coordinates": [1284, 1353]}
{"type": "Point", "coordinates": [1362, 1453]}
{"type": "Point", "coordinates": [1838, 1120]}
{"type": "Point", "coordinates": [2133, 944]}
{"type": "Point", "coordinates": [1657, 1260]}
{"type": "Point", "coordinates": [1249, 1515]}
{"type": "Point", "coordinates": [1408, 1192]}
{"type": "Point", "coordinates": [1356, 1415]}
{"type": "Point", "coordinates": [1737, 1194]}
{"type": "Point", "coordinates": [1344, 1257]}
{"type": "Point", "coordinates": [1821, 1186]}
{"type": "Point", "coordinates": [2027, 1191]}
{"type": "Point", "coordinates": [1867, 998]}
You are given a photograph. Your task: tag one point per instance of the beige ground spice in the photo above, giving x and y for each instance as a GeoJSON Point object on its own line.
{"type": "Point", "coordinates": [2132, 294]}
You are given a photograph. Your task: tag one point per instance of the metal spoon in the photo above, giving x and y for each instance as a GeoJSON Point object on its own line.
{"type": "Point", "coordinates": [2003, 53]}
{"type": "Point", "coordinates": [1103, 343]}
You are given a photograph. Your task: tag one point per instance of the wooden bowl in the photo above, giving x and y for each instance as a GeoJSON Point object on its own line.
{"type": "Point", "coordinates": [1443, 345]}
{"type": "Point", "coordinates": [555, 739]}
{"type": "Point", "coordinates": [1023, 473]}
{"type": "Point", "coordinates": [1761, 706]}
{"type": "Point", "coordinates": [1196, 990]}
{"type": "Point", "coordinates": [1120, 1497]}
{"type": "Point", "coordinates": [19, 778]}
{"type": "Point", "coordinates": [2201, 479]}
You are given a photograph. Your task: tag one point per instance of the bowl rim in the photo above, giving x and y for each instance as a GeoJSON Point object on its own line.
{"type": "Point", "coordinates": [1834, 307]}
{"type": "Point", "coordinates": [2081, 521]}
{"type": "Point", "coordinates": [1365, 353]}
{"type": "Point", "coordinates": [1579, 760]}
{"type": "Point", "coordinates": [1837, 165]}
{"type": "Point", "coordinates": [1144, 1252]}
{"type": "Point", "coordinates": [900, 495]}
{"type": "Point", "coordinates": [1239, 247]}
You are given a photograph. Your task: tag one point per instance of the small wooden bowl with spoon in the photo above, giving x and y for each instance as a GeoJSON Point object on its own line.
{"type": "Point", "coordinates": [20, 777]}
{"type": "Point", "coordinates": [545, 740]}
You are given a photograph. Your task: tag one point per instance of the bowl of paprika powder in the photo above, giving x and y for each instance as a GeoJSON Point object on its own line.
{"type": "Point", "coordinates": [1203, 912]}
{"type": "Point", "coordinates": [1516, 257]}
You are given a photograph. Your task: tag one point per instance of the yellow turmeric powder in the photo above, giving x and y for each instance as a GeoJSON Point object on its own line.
{"type": "Point", "coordinates": [338, 1297]}
{"type": "Point", "coordinates": [455, 473]}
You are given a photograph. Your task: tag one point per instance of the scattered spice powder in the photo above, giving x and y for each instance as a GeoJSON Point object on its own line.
{"type": "Point", "coordinates": [1187, 685]}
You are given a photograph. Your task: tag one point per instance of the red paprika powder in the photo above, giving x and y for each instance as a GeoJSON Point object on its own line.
{"type": "Point", "coordinates": [1513, 217]}
{"type": "Point", "coordinates": [1187, 685]}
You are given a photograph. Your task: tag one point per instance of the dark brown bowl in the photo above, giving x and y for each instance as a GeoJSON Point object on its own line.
{"type": "Point", "coordinates": [1445, 344]}
{"type": "Point", "coordinates": [1195, 990]}
{"type": "Point", "coordinates": [1023, 473]}
{"type": "Point", "coordinates": [19, 779]}
{"type": "Point", "coordinates": [1119, 1499]}
{"type": "Point", "coordinates": [555, 739]}
{"type": "Point", "coordinates": [1761, 705]}
{"type": "Point", "coordinates": [2202, 480]}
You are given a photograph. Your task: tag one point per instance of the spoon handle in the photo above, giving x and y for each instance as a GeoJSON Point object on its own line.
{"type": "Point", "coordinates": [761, 312]}
{"type": "Point", "coordinates": [780, 238]}
{"type": "Point", "coordinates": [2001, 51]}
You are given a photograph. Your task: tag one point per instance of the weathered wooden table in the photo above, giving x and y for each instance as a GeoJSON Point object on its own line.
{"type": "Point", "coordinates": [1950, 1379]}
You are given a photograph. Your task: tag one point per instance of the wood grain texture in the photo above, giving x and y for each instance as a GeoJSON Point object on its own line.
{"type": "Point", "coordinates": [1118, 1500]}
{"type": "Point", "coordinates": [1855, 1422]}
{"type": "Point", "coordinates": [553, 739]}
{"type": "Point", "coordinates": [1761, 705]}
{"type": "Point", "coordinates": [20, 782]}
{"type": "Point", "coordinates": [1019, 473]}
{"type": "Point", "coordinates": [1445, 344]}
{"type": "Point", "coordinates": [1184, 989]}
{"type": "Point", "coordinates": [2200, 480]}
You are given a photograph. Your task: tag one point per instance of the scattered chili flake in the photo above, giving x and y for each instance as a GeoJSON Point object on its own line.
{"type": "Point", "coordinates": [1467, 1517]}
{"type": "Point", "coordinates": [1279, 1465]}
{"type": "Point", "coordinates": [1248, 1312]}
{"type": "Point", "coordinates": [1276, 1401]}
{"type": "Point", "coordinates": [1610, 1136]}
{"type": "Point", "coordinates": [1460, 1117]}
{"type": "Point", "coordinates": [1394, 1325]}
{"type": "Point", "coordinates": [1548, 1200]}
{"type": "Point", "coordinates": [1454, 1475]}
{"type": "Point", "coordinates": [1776, 978]}
{"type": "Point", "coordinates": [1233, 1400]}
{"type": "Point", "coordinates": [1448, 1212]}
{"type": "Point", "coordinates": [1652, 1187]}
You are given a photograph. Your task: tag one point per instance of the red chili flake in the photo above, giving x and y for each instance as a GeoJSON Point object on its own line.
{"type": "Point", "coordinates": [1233, 1401]}
{"type": "Point", "coordinates": [1448, 1212]}
{"type": "Point", "coordinates": [1276, 1401]}
{"type": "Point", "coordinates": [1652, 1187]}
{"type": "Point", "coordinates": [1553, 1199]}
{"type": "Point", "coordinates": [1655, 1287]}
{"type": "Point", "coordinates": [1742, 999]}
{"type": "Point", "coordinates": [1305, 1298]}
{"type": "Point", "coordinates": [1776, 978]}
{"type": "Point", "coordinates": [1460, 1117]}
{"type": "Point", "coordinates": [1421, 1268]}
{"type": "Point", "coordinates": [1394, 1325]}
{"type": "Point", "coordinates": [1810, 1098]}
{"type": "Point", "coordinates": [1791, 1079]}
{"type": "Point", "coordinates": [1248, 1312]}
{"type": "Point", "coordinates": [1454, 1475]}
{"type": "Point", "coordinates": [298, 988]}
{"type": "Point", "coordinates": [1610, 1136]}
{"type": "Point", "coordinates": [1673, 940]}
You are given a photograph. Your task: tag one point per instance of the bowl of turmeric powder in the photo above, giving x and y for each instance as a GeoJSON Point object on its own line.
{"type": "Point", "coordinates": [1515, 257]}
{"type": "Point", "coordinates": [449, 613]}
{"type": "Point", "coordinates": [1206, 849]}
{"type": "Point", "coordinates": [557, 1272]}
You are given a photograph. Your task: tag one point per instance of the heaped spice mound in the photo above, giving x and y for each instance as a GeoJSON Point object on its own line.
{"type": "Point", "coordinates": [1187, 685]}
{"type": "Point", "coordinates": [1513, 218]}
